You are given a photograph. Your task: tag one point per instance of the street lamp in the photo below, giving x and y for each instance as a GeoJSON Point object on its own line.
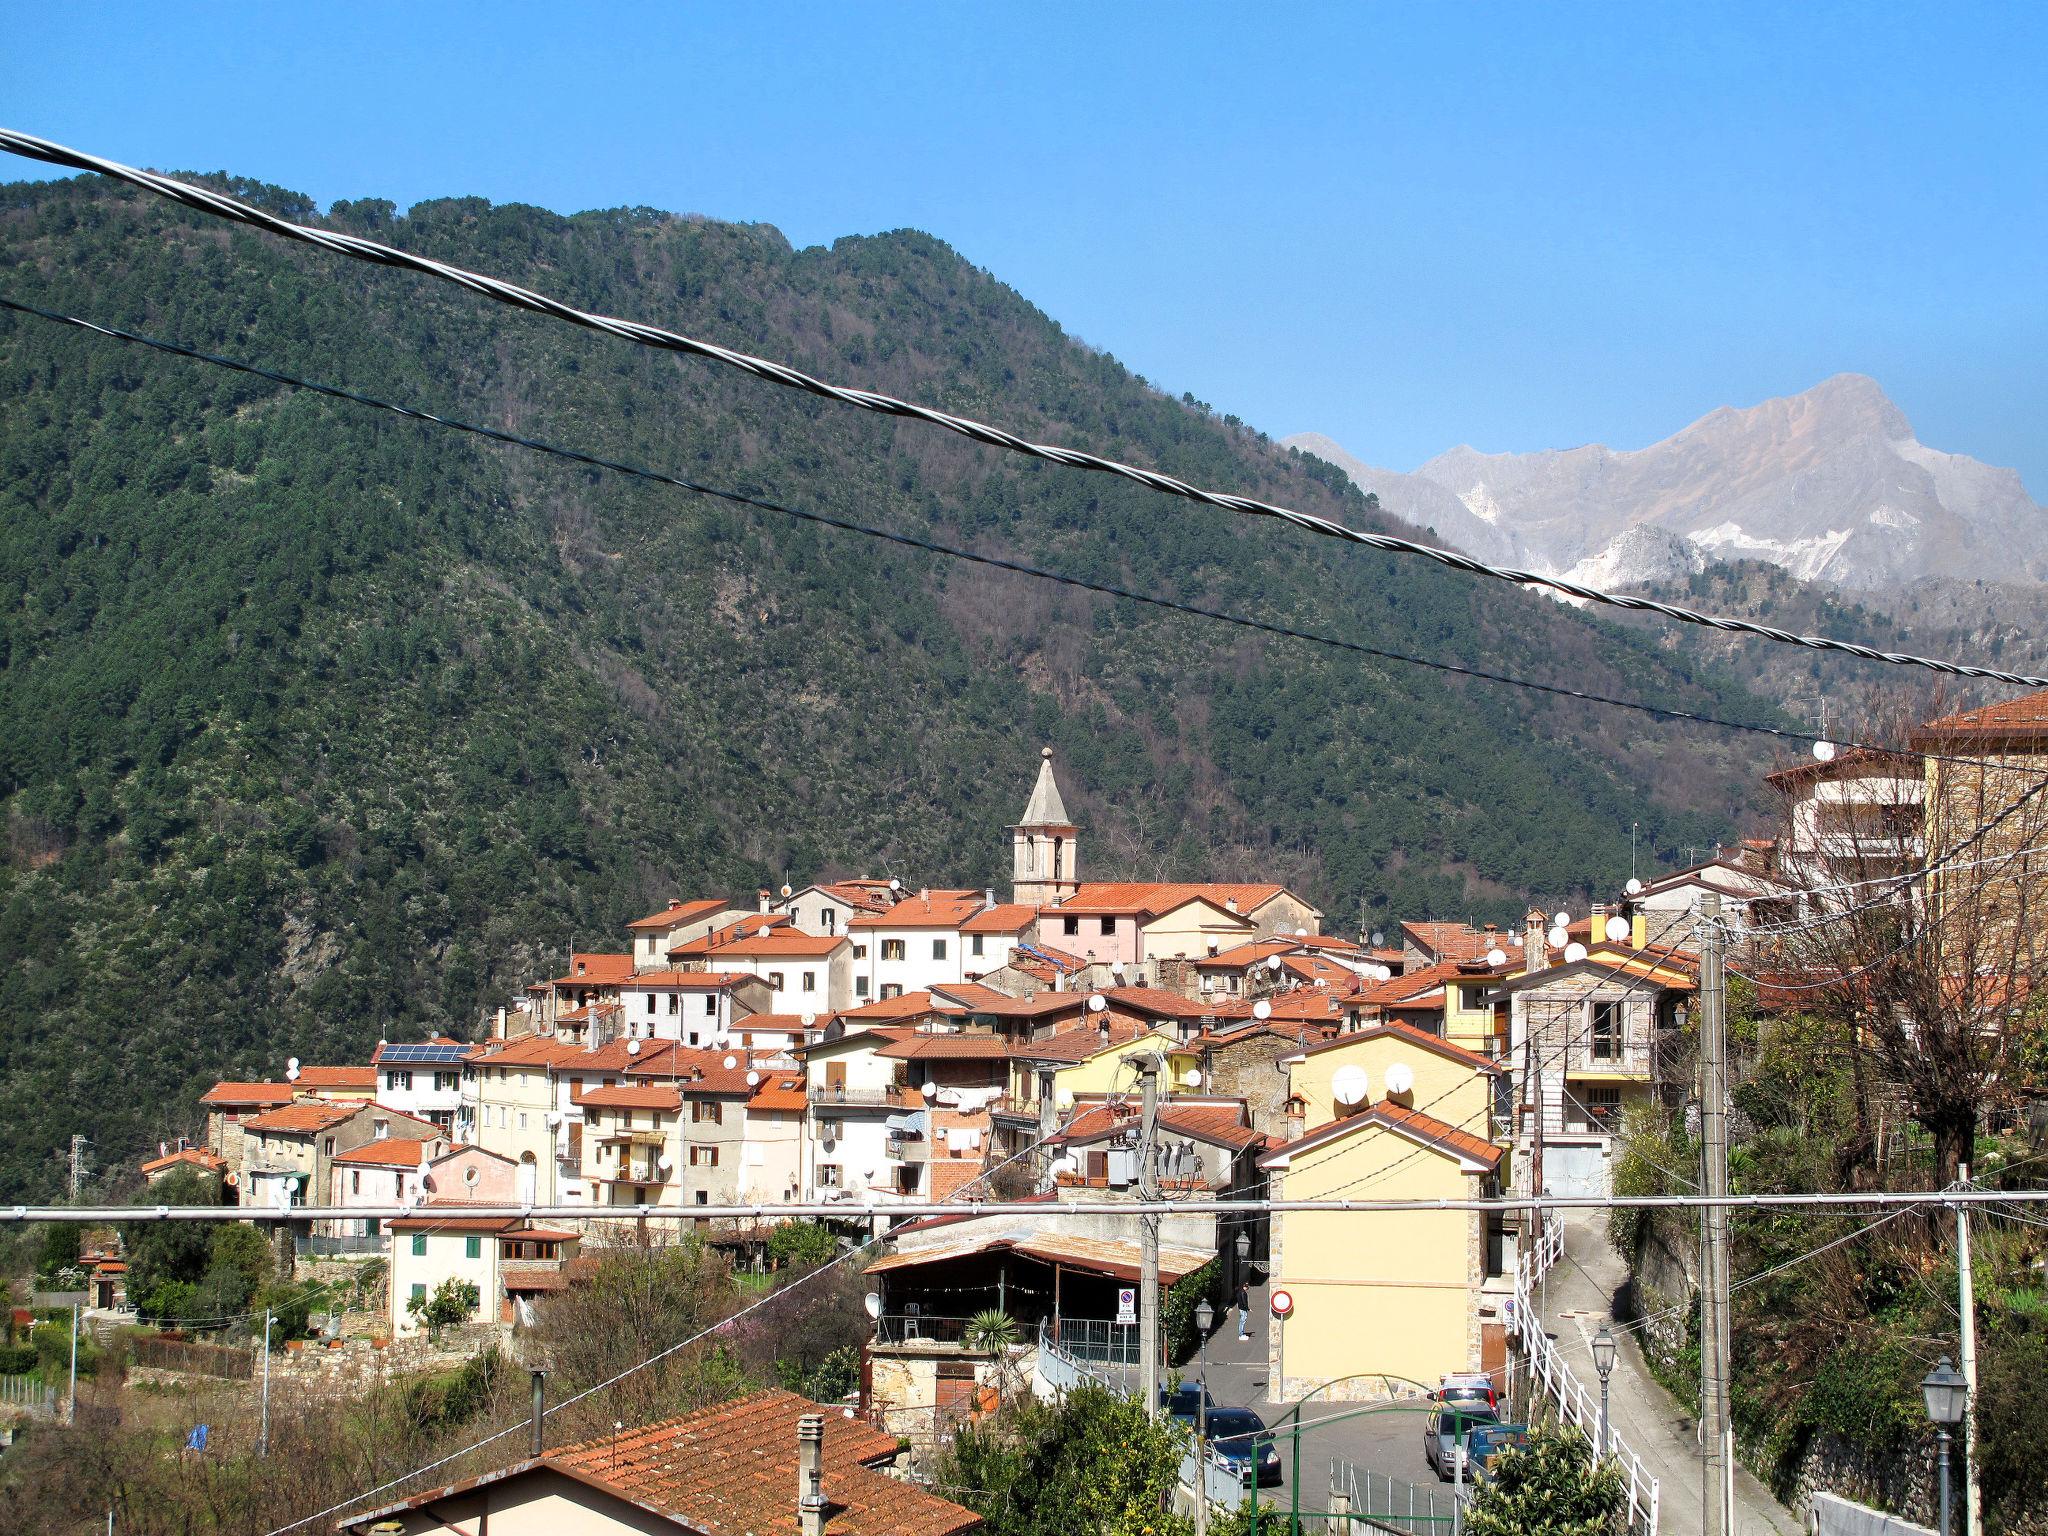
{"type": "Point", "coordinates": [1205, 1318]}
{"type": "Point", "coordinates": [1947, 1396]}
{"type": "Point", "coordinates": [1603, 1362]}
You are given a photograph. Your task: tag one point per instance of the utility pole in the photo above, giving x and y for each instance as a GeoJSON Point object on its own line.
{"type": "Point", "coordinates": [78, 1146]}
{"type": "Point", "coordinates": [1148, 1242]}
{"type": "Point", "coordinates": [263, 1433]}
{"type": "Point", "coordinates": [1973, 1502]}
{"type": "Point", "coordinates": [71, 1416]}
{"type": "Point", "coordinates": [1718, 1437]}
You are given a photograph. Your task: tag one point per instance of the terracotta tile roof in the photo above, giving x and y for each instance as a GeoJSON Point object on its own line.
{"type": "Point", "coordinates": [1461, 941]}
{"type": "Point", "coordinates": [1038, 1006]}
{"type": "Point", "coordinates": [677, 913]}
{"type": "Point", "coordinates": [1075, 1045]}
{"type": "Point", "coordinates": [527, 1276]}
{"type": "Point", "coordinates": [1150, 899]}
{"type": "Point", "coordinates": [1155, 1001]}
{"type": "Point", "coordinates": [1316, 968]}
{"type": "Point", "coordinates": [971, 995]}
{"type": "Point", "coordinates": [613, 1056]}
{"type": "Point", "coordinates": [782, 943]}
{"type": "Point", "coordinates": [312, 1079]}
{"type": "Point", "coordinates": [910, 1005]}
{"type": "Point", "coordinates": [1003, 917]}
{"type": "Point", "coordinates": [597, 970]}
{"type": "Point", "coordinates": [391, 1152]}
{"type": "Point", "coordinates": [529, 1051]}
{"type": "Point", "coordinates": [782, 1023]}
{"type": "Point", "coordinates": [749, 926]}
{"type": "Point", "coordinates": [1414, 1124]}
{"type": "Point", "coordinates": [1854, 763]}
{"type": "Point", "coordinates": [1045, 961]}
{"type": "Point", "coordinates": [779, 1091]}
{"type": "Point", "coordinates": [1243, 956]}
{"type": "Point", "coordinates": [730, 1470]}
{"type": "Point", "coordinates": [1408, 1034]}
{"type": "Point", "coordinates": [869, 895]}
{"type": "Point", "coordinates": [689, 981]}
{"type": "Point", "coordinates": [926, 909]}
{"type": "Point", "coordinates": [699, 1071]}
{"type": "Point", "coordinates": [632, 1096]}
{"type": "Point", "coordinates": [303, 1118]}
{"type": "Point", "coordinates": [948, 1047]}
{"type": "Point", "coordinates": [2020, 720]}
{"type": "Point", "coordinates": [1222, 1124]}
{"type": "Point", "coordinates": [232, 1093]}
{"type": "Point", "coordinates": [197, 1157]}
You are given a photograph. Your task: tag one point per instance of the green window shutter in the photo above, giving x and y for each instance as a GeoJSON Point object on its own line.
{"type": "Point", "coordinates": [472, 1247]}
{"type": "Point", "coordinates": [419, 1245]}
{"type": "Point", "coordinates": [419, 1290]}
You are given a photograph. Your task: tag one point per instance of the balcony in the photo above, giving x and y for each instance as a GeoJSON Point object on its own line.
{"type": "Point", "coordinates": [873, 1098]}
{"type": "Point", "coordinates": [645, 1171]}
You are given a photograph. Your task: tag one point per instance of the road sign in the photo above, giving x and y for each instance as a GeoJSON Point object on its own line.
{"type": "Point", "coordinates": [1283, 1303]}
{"type": "Point", "coordinates": [1127, 1305]}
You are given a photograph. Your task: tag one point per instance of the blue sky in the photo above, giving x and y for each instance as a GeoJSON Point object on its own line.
{"type": "Point", "coordinates": [1405, 226]}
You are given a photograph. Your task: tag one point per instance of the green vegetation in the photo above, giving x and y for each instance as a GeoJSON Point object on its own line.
{"type": "Point", "coordinates": [318, 727]}
{"type": "Point", "coordinates": [802, 1244]}
{"type": "Point", "coordinates": [1177, 1314]}
{"type": "Point", "coordinates": [1550, 1489]}
{"type": "Point", "coordinates": [453, 1301]}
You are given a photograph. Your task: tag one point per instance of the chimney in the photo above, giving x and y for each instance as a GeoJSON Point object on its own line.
{"type": "Point", "coordinates": [762, 897]}
{"type": "Point", "coordinates": [988, 898]}
{"type": "Point", "coordinates": [1230, 903]}
{"type": "Point", "coordinates": [500, 1034]}
{"type": "Point", "coordinates": [1535, 949]}
{"type": "Point", "coordinates": [1596, 926]}
{"type": "Point", "coordinates": [810, 1474]}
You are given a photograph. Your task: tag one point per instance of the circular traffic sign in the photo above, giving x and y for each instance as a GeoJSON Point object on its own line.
{"type": "Point", "coordinates": [1283, 1303]}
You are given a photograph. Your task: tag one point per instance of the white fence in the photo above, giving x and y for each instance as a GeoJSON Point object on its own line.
{"type": "Point", "coordinates": [1384, 1501]}
{"type": "Point", "coordinates": [1550, 1377]}
{"type": "Point", "coordinates": [28, 1392]}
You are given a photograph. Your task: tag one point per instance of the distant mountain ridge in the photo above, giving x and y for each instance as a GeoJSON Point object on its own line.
{"type": "Point", "coordinates": [1830, 484]}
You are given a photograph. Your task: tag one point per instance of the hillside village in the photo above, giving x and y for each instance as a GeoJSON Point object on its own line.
{"type": "Point", "coordinates": [860, 1041]}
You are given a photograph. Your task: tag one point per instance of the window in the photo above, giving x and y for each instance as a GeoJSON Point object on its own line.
{"type": "Point", "coordinates": [1606, 1031]}
{"type": "Point", "coordinates": [938, 949]}
{"type": "Point", "coordinates": [892, 989]}
{"type": "Point", "coordinates": [1108, 926]}
{"type": "Point", "coordinates": [892, 949]}
{"type": "Point", "coordinates": [355, 1183]}
{"type": "Point", "coordinates": [974, 944]}
{"type": "Point", "coordinates": [775, 980]}
{"type": "Point", "coordinates": [860, 951]}
{"type": "Point", "coordinates": [472, 1247]}
{"type": "Point", "coordinates": [711, 1002]}
{"type": "Point", "coordinates": [675, 1003]}
{"type": "Point", "coordinates": [522, 1119]}
{"type": "Point", "coordinates": [703, 1157]}
{"type": "Point", "coordinates": [419, 1246]}
{"type": "Point", "coordinates": [379, 1130]}
{"type": "Point", "coordinates": [419, 1291]}
{"type": "Point", "coordinates": [398, 1079]}
{"type": "Point", "coordinates": [703, 1197]}
{"type": "Point", "coordinates": [860, 986]}
{"type": "Point", "coordinates": [828, 919]}
{"type": "Point", "coordinates": [446, 1082]}
{"type": "Point", "coordinates": [810, 981]}
{"type": "Point", "coordinates": [707, 1111]}
{"type": "Point", "coordinates": [330, 1146]}
{"type": "Point", "coordinates": [828, 1175]}
{"type": "Point", "coordinates": [1071, 925]}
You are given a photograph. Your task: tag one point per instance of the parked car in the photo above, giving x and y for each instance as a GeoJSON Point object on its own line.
{"type": "Point", "coordinates": [1473, 1388]}
{"type": "Point", "coordinates": [1238, 1435]}
{"type": "Point", "coordinates": [1484, 1444]}
{"type": "Point", "coordinates": [1185, 1401]}
{"type": "Point", "coordinates": [1444, 1436]}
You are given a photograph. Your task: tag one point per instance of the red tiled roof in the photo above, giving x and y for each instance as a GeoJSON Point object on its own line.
{"type": "Point", "coordinates": [677, 913]}
{"type": "Point", "coordinates": [909, 1005]}
{"type": "Point", "coordinates": [391, 1152]}
{"type": "Point", "coordinates": [632, 1096]}
{"type": "Point", "coordinates": [248, 1093]}
{"type": "Point", "coordinates": [869, 895]}
{"type": "Point", "coordinates": [1072, 1045]}
{"type": "Point", "coordinates": [1153, 1000]}
{"type": "Point", "coordinates": [2022, 719]}
{"type": "Point", "coordinates": [690, 981]}
{"type": "Point", "coordinates": [971, 995]}
{"type": "Point", "coordinates": [198, 1157]}
{"type": "Point", "coordinates": [1412, 1123]}
{"type": "Point", "coordinates": [749, 926]}
{"type": "Point", "coordinates": [311, 1078]}
{"type": "Point", "coordinates": [699, 1071]}
{"type": "Point", "coordinates": [529, 1051]}
{"type": "Point", "coordinates": [304, 1118]}
{"type": "Point", "coordinates": [779, 1091]}
{"type": "Point", "coordinates": [1219, 1123]}
{"type": "Point", "coordinates": [780, 942]}
{"type": "Point", "coordinates": [598, 970]}
{"type": "Point", "coordinates": [1243, 956]}
{"type": "Point", "coordinates": [1004, 917]}
{"type": "Point", "coordinates": [927, 909]}
{"type": "Point", "coordinates": [1461, 941]}
{"type": "Point", "coordinates": [1410, 1035]}
{"type": "Point", "coordinates": [947, 1047]}
{"type": "Point", "coordinates": [1154, 898]}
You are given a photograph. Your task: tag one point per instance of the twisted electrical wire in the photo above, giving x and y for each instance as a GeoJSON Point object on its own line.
{"type": "Point", "coordinates": [497, 289]}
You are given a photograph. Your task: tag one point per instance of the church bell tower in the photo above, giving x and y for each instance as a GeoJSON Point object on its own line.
{"type": "Point", "coordinates": [1045, 845]}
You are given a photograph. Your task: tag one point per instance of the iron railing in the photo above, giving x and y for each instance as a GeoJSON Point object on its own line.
{"type": "Point", "coordinates": [1374, 1498]}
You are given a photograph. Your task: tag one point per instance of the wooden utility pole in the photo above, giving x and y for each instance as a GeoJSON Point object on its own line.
{"type": "Point", "coordinates": [1973, 1499]}
{"type": "Point", "coordinates": [1148, 1241]}
{"type": "Point", "coordinates": [1718, 1435]}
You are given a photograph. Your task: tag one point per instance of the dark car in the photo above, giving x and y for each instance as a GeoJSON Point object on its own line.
{"type": "Point", "coordinates": [1484, 1444]}
{"type": "Point", "coordinates": [1238, 1435]}
{"type": "Point", "coordinates": [1185, 1401]}
{"type": "Point", "coordinates": [1444, 1436]}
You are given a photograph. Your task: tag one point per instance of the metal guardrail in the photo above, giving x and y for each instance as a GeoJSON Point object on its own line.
{"type": "Point", "coordinates": [1550, 1377]}
{"type": "Point", "coordinates": [1374, 1498]}
{"type": "Point", "coordinates": [29, 1392]}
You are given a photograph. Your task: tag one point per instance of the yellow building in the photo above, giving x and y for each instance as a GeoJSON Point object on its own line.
{"type": "Point", "coordinates": [1401, 1064]}
{"type": "Point", "coordinates": [1086, 1061]}
{"type": "Point", "coordinates": [1380, 1298]}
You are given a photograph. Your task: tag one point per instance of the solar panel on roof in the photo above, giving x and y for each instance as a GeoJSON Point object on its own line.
{"type": "Point", "coordinates": [422, 1052]}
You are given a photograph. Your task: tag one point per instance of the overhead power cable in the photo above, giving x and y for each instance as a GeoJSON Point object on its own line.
{"type": "Point", "coordinates": [642, 334]}
{"type": "Point", "coordinates": [910, 541]}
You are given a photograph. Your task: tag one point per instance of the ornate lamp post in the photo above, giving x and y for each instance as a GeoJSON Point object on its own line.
{"type": "Point", "coordinates": [1603, 1362]}
{"type": "Point", "coordinates": [1947, 1396]}
{"type": "Point", "coordinates": [1205, 1317]}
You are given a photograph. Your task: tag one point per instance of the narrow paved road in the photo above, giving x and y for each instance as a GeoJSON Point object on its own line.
{"type": "Point", "coordinates": [1579, 1297]}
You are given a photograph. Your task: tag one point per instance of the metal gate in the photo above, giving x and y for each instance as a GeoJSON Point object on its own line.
{"type": "Point", "coordinates": [1575, 1168]}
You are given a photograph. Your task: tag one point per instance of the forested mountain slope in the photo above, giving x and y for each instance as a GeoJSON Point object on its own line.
{"type": "Point", "coordinates": [318, 727]}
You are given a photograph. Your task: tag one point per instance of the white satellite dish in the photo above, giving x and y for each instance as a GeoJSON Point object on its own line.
{"type": "Point", "coordinates": [1574, 953]}
{"type": "Point", "coordinates": [895, 884]}
{"type": "Point", "coordinates": [664, 1162]}
{"type": "Point", "coordinates": [1066, 1162]}
{"type": "Point", "coordinates": [1560, 919]}
{"type": "Point", "coordinates": [1349, 1085]}
{"type": "Point", "coordinates": [1560, 936]}
{"type": "Point", "coordinates": [1272, 962]}
{"type": "Point", "coordinates": [1617, 929]}
{"type": "Point", "coordinates": [554, 1118]}
{"type": "Point", "coordinates": [382, 1043]}
{"type": "Point", "coordinates": [1262, 1009]}
{"type": "Point", "coordinates": [291, 1074]}
{"type": "Point", "coordinates": [1097, 1002]}
{"type": "Point", "coordinates": [1400, 1078]}
{"type": "Point", "coordinates": [785, 891]}
{"type": "Point", "coordinates": [809, 1020]}
{"type": "Point", "coordinates": [871, 1304]}
{"type": "Point", "coordinates": [1192, 1078]}
{"type": "Point", "coordinates": [730, 1062]}
{"type": "Point", "coordinates": [469, 1176]}
{"type": "Point", "coordinates": [1496, 957]}
{"type": "Point", "coordinates": [1634, 887]}
{"type": "Point", "coordinates": [1301, 933]}
{"type": "Point", "coordinates": [753, 1079]}
{"type": "Point", "coordinates": [632, 1047]}
{"type": "Point", "coordinates": [292, 1065]}
{"type": "Point", "coordinates": [1824, 751]}
{"type": "Point", "coordinates": [764, 930]}
{"type": "Point", "coordinates": [1378, 938]}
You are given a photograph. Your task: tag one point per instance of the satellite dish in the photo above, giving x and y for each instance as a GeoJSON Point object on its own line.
{"type": "Point", "coordinates": [664, 1162]}
{"type": "Point", "coordinates": [1400, 1078]}
{"type": "Point", "coordinates": [730, 1062]}
{"type": "Point", "coordinates": [1574, 953]}
{"type": "Point", "coordinates": [1634, 887]}
{"type": "Point", "coordinates": [427, 1183]}
{"type": "Point", "coordinates": [785, 891]}
{"type": "Point", "coordinates": [1383, 973]}
{"type": "Point", "coordinates": [1378, 938]}
{"type": "Point", "coordinates": [469, 1176]}
{"type": "Point", "coordinates": [1560, 919]}
{"type": "Point", "coordinates": [632, 1047]}
{"type": "Point", "coordinates": [764, 930]}
{"type": "Point", "coordinates": [1097, 1003]}
{"type": "Point", "coordinates": [1192, 1078]}
{"type": "Point", "coordinates": [1349, 1085]}
{"type": "Point", "coordinates": [809, 1020]}
{"type": "Point", "coordinates": [291, 1074]}
{"type": "Point", "coordinates": [895, 884]}
{"type": "Point", "coordinates": [1272, 962]}
{"type": "Point", "coordinates": [871, 1304]}
{"type": "Point", "coordinates": [554, 1118]}
{"type": "Point", "coordinates": [1262, 1009]}
{"type": "Point", "coordinates": [382, 1043]}
{"type": "Point", "coordinates": [1824, 751]}
{"type": "Point", "coordinates": [1560, 936]}
{"type": "Point", "coordinates": [292, 1065]}
{"type": "Point", "coordinates": [1496, 957]}
{"type": "Point", "coordinates": [233, 1180]}
{"type": "Point", "coordinates": [753, 1079]}
{"type": "Point", "coordinates": [1617, 929]}
{"type": "Point", "coordinates": [1301, 933]}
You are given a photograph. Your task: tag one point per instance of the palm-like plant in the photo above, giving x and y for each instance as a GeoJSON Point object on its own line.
{"type": "Point", "coordinates": [993, 1331]}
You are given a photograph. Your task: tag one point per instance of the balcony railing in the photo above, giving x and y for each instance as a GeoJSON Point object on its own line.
{"type": "Point", "coordinates": [839, 1093]}
{"type": "Point", "coordinates": [920, 1328]}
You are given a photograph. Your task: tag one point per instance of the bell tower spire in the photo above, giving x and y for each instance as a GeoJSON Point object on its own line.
{"type": "Point", "coordinates": [1045, 845]}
